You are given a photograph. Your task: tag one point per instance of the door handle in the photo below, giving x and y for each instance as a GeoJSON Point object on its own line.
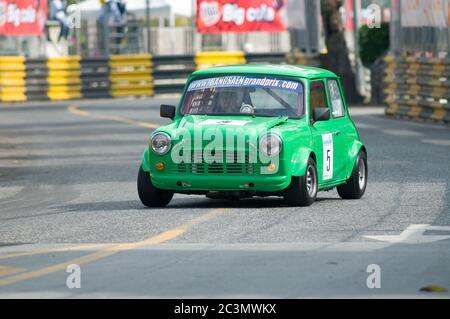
{"type": "Point", "coordinates": [337, 133]}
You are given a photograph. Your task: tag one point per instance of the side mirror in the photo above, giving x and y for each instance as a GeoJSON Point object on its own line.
{"type": "Point", "coordinates": [167, 111]}
{"type": "Point", "coordinates": [321, 114]}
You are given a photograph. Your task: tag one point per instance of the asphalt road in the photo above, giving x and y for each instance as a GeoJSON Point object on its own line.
{"type": "Point", "coordinates": [68, 196]}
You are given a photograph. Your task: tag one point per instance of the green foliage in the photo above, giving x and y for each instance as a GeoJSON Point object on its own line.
{"type": "Point", "coordinates": [373, 43]}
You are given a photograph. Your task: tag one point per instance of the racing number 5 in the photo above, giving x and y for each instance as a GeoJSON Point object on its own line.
{"type": "Point", "coordinates": [327, 168]}
{"type": "Point", "coordinates": [328, 160]}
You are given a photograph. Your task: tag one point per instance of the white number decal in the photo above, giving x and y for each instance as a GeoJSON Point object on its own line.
{"type": "Point", "coordinates": [327, 171]}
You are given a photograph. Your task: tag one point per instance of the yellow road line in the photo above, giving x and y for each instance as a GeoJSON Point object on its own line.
{"type": "Point", "coordinates": [160, 238]}
{"type": "Point", "coordinates": [6, 271]}
{"type": "Point", "coordinates": [111, 250]}
{"type": "Point", "coordinates": [74, 109]}
{"type": "Point", "coordinates": [53, 250]}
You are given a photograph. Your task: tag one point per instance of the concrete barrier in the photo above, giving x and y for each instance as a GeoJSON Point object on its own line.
{"type": "Point", "coordinates": [418, 88]}
{"type": "Point", "coordinates": [75, 77]}
{"type": "Point", "coordinates": [208, 59]}
{"type": "Point", "coordinates": [95, 82]}
{"type": "Point", "coordinates": [131, 75]}
{"type": "Point", "coordinates": [299, 58]}
{"type": "Point", "coordinates": [36, 79]}
{"type": "Point", "coordinates": [12, 79]}
{"type": "Point", "coordinates": [64, 78]}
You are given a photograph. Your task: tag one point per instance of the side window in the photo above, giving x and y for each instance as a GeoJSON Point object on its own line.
{"type": "Point", "coordinates": [337, 106]}
{"type": "Point", "coordinates": [317, 96]}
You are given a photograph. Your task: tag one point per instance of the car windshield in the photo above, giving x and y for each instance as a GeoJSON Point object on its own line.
{"type": "Point", "coordinates": [244, 95]}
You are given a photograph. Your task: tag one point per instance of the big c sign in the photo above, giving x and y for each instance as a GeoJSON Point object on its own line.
{"type": "Point", "coordinates": [217, 16]}
{"type": "Point", "coordinates": [22, 17]}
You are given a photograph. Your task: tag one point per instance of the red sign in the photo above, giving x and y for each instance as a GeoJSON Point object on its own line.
{"type": "Point", "coordinates": [217, 16]}
{"type": "Point", "coordinates": [22, 17]}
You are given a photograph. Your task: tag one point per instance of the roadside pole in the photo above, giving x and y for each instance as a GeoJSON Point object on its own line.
{"type": "Point", "coordinates": [194, 26]}
{"type": "Point", "coordinates": [359, 71]}
{"type": "Point", "coordinates": [147, 24]}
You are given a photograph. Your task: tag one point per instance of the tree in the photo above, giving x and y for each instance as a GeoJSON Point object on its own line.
{"type": "Point", "coordinates": [337, 59]}
{"type": "Point", "coordinates": [373, 43]}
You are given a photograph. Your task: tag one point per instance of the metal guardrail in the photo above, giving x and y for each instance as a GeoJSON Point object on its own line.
{"type": "Point", "coordinates": [418, 88]}
{"type": "Point", "coordinates": [74, 77]}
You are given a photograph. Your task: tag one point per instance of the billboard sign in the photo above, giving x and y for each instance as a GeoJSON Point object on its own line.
{"type": "Point", "coordinates": [218, 16]}
{"type": "Point", "coordinates": [22, 17]}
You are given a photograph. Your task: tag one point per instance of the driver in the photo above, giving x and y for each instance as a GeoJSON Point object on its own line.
{"type": "Point", "coordinates": [229, 100]}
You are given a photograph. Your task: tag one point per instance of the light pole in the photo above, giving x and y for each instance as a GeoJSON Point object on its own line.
{"type": "Point", "coordinates": [194, 25]}
{"type": "Point", "coordinates": [358, 67]}
{"type": "Point", "coordinates": [147, 23]}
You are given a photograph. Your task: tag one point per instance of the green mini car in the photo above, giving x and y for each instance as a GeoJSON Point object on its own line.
{"type": "Point", "coordinates": [255, 130]}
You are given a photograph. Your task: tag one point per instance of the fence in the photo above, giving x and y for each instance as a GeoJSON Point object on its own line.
{"type": "Point", "coordinates": [417, 73]}
{"type": "Point", "coordinates": [306, 31]}
{"type": "Point", "coordinates": [415, 31]}
{"type": "Point", "coordinates": [418, 88]}
{"type": "Point", "coordinates": [74, 77]}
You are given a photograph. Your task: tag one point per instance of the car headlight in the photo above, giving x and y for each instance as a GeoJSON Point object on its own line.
{"type": "Point", "coordinates": [270, 144]}
{"type": "Point", "coordinates": [161, 143]}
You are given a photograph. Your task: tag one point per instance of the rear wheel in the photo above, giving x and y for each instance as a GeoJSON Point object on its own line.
{"type": "Point", "coordinates": [303, 189]}
{"type": "Point", "coordinates": [356, 184]}
{"type": "Point", "coordinates": [150, 195]}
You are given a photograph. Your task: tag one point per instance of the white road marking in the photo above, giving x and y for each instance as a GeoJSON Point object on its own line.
{"type": "Point", "coordinates": [365, 126]}
{"type": "Point", "coordinates": [399, 132]}
{"type": "Point", "coordinates": [364, 110]}
{"type": "Point", "coordinates": [414, 234]}
{"type": "Point", "coordinates": [437, 142]}
{"type": "Point", "coordinates": [6, 192]}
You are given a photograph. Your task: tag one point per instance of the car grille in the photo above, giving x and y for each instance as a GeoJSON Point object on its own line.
{"type": "Point", "coordinates": [232, 164]}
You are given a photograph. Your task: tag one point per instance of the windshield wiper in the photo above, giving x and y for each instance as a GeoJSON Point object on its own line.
{"type": "Point", "coordinates": [280, 100]}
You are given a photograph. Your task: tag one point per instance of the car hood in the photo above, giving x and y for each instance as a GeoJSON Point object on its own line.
{"type": "Point", "coordinates": [230, 123]}
{"type": "Point", "coordinates": [212, 128]}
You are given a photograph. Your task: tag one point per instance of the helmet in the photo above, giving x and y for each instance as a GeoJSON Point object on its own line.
{"type": "Point", "coordinates": [227, 91]}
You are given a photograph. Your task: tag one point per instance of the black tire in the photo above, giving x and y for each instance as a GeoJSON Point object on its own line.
{"type": "Point", "coordinates": [298, 193]}
{"type": "Point", "coordinates": [355, 186]}
{"type": "Point", "coordinates": [149, 195]}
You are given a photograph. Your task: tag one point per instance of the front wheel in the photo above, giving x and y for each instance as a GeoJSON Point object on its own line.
{"type": "Point", "coordinates": [303, 189]}
{"type": "Point", "coordinates": [356, 184]}
{"type": "Point", "coordinates": [149, 195]}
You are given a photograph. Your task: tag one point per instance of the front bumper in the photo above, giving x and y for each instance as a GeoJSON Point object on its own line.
{"type": "Point", "coordinates": [258, 183]}
{"type": "Point", "coordinates": [227, 177]}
